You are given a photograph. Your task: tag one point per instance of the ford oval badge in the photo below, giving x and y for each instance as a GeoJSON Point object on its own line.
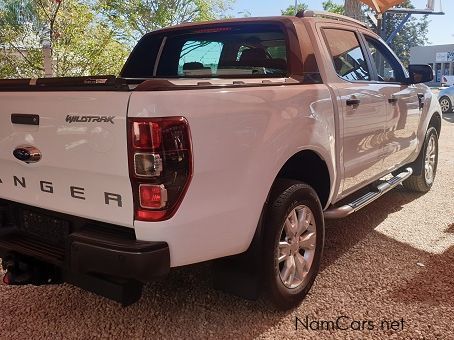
{"type": "Point", "coordinates": [27, 154]}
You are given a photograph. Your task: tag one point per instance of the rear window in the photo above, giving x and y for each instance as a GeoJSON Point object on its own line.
{"type": "Point", "coordinates": [251, 50]}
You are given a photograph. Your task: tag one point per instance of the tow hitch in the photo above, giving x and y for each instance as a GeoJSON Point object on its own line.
{"type": "Point", "coordinates": [21, 270]}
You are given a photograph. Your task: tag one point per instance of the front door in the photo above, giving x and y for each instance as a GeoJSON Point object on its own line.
{"type": "Point", "coordinates": [403, 104]}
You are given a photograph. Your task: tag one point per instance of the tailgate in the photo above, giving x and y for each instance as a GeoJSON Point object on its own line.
{"type": "Point", "coordinates": [81, 137]}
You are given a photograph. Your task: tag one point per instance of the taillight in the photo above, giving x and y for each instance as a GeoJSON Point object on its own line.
{"type": "Point", "coordinates": [160, 165]}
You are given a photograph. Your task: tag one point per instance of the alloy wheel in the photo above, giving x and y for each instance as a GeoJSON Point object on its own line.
{"type": "Point", "coordinates": [429, 164]}
{"type": "Point", "coordinates": [296, 248]}
{"type": "Point", "coordinates": [445, 105]}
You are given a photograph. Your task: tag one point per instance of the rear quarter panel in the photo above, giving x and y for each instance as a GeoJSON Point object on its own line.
{"type": "Point", "coordinates": [241, 139]}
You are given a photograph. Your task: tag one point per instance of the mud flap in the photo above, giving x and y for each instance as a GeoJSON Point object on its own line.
{"type": "Point", "coordinates": [241, 274]}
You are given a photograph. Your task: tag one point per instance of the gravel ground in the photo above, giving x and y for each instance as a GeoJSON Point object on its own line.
{"type": "Point", "coordinates": [392, 261]}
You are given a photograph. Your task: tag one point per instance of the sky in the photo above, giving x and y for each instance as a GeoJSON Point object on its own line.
{"type": "Point", "coordinates": [441, 27]}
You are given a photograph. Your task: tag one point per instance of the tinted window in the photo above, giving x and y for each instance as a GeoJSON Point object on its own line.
{"type": "Point", "coordinates": [140, 63]}
{"type": "Point", "coordinates": [348, 58]}
{"type": "Point", "coordinates": [233, 50]}
{"type": "Point", "coordinates": [388, 67]}
{"type": "Point", "coordinates": [236, 51]}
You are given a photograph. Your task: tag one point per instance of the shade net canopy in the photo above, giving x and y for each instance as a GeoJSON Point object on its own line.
{"type": "Point", "coordinates": [381, 6]}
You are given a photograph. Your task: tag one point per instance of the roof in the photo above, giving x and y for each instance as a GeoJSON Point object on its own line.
{"type": "Point", "coordinates": [286, 20]}
{"type": "Point", "coordinates": [277, 19]}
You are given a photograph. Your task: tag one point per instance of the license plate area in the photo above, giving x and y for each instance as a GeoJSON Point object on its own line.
{"type": "Point", "coordinates": [44, 227]}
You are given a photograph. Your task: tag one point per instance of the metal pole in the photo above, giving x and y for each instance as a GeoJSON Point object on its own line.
{"type": "Point", "coordinates": [296, 7]}
{"type": "Point", "coordinates": [397, 29]}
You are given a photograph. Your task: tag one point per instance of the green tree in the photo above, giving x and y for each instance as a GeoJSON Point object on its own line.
{"type": "Point", "coordinates": [84, 45]}
{"type": "Point", "coordinates": [132, 19]}
{"type": "Point", "coordinates": [331, 6]}
{"type": "Point", "coordinates": [414, 32]}
{"type": "Point", "coordinates": [18, 30]}
{"type": "Point", "coordinates": [328, 5]}
{"type": "Point", "coordinates": [82, 37]}
{"type": "Point", "coordinates": [69, 30]}
{"type": "Point", "coordinates": [290, 10]}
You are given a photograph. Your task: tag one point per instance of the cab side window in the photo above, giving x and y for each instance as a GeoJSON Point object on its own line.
{"type": "Point", "coordinates": [389, 69]}
{"type": "Point", "coordinates": [346, 53]}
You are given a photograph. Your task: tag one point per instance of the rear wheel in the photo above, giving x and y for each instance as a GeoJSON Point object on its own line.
{"type": "Point", "coordinates": [446, 105]}
{"type": "Point", "coordinates": [294, 237]}
{"type": "Point", "coordinates": [427, 162]}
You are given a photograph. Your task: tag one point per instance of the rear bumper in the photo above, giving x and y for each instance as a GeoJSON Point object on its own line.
{"type": "Point", "coordinates": [94, 254]}
{"type": "Point", "coordinates": [87, 248]}
{"type": "Point", "coordinates": [141, 261]}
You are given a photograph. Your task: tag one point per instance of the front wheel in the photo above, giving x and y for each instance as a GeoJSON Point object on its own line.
{"type": "Point", "coordinates": [427, 162]}
{"type": "Point", "coordinates": [294, 238]}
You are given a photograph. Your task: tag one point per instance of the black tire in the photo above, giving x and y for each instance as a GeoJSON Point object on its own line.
{"type": "Point", "coordinates": [419, 181]}
{"type": "Point", "coordinates": [446, 105]}
{"type": "Point", "coordinates": [289, 196]}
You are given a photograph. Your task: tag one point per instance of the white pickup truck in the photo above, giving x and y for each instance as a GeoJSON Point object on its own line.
{"type": "Point", "coordinates": [229, 141]}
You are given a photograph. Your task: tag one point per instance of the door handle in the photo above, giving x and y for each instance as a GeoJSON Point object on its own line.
{"type": "Point", "coordinates": [25, 119]}
{"type": "Point", "coordinates": [393, 100]}
{"type": "Point", "coordinates": [421, 97]}
{"type": "Point", "coordinates": [353, 102]}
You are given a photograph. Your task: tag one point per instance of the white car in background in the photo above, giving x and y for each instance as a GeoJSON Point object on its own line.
{"type": "Point", "coordinates": [446, 99]}
{"type": "Point", "coordinates": [447, 81]}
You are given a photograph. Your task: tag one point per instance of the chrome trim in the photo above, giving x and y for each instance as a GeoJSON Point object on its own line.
{"type": "Point", "coordinates": [158, 57]}
{"type": "Point", "coordinates": [157, 162]}
{"type": "Point", "coordinates": [27, 154]}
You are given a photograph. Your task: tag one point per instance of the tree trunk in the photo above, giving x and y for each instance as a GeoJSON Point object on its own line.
{"type": "Point", "coordinates": [353, 9]}
{"type": "Point", "coordinates": [47, 54]}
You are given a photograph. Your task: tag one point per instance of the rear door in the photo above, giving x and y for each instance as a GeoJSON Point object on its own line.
{"type": "Point", "coordinates": [81, 140]}
{"type": "Point", "coordinates": [362, 106]}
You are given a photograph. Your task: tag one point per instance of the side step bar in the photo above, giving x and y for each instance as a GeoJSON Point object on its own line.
{"type": "Point", "coordinates": [361, 202]}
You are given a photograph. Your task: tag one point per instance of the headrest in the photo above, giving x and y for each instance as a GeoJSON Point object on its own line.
{"type": "Point", "coordinates": [253, 56]}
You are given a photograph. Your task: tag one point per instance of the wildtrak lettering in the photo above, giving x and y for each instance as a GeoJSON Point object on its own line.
{"type": "Point", "coordinates": [90, 119]}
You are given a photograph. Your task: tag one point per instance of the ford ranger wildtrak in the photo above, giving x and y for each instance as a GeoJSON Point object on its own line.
{"type": "Point", "coordinates": [229, 141]}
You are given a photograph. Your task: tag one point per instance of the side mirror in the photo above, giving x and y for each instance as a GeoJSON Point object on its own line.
{"type": "Point", "coordinates": [420, 74]}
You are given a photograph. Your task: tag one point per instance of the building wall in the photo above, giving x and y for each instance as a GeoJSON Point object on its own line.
{"type": "Point", "coordinates": [440, 57]}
